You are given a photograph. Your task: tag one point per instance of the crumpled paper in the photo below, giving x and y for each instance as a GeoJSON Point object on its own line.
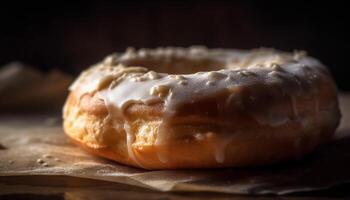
{"type": "Point", "coordinates": [36, 145]}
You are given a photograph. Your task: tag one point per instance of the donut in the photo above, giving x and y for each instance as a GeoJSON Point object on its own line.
{"type": "Point", "coordinates": [172, 108]}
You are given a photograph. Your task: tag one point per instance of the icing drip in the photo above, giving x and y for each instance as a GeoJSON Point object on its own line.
{"type": "Point", "coordinates": [226, 137]}
{"type": "Point", "coordinates": [130, 138]}
{"type": "Point", "coordinates": [220, 150]}
{"type": "Point", "coordinates": [163, 134]}
{"type": "Point", "coordinates": [121, 85]}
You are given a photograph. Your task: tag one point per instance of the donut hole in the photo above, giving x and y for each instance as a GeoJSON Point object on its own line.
{"type": "Point", "coordinates": [176, 65]}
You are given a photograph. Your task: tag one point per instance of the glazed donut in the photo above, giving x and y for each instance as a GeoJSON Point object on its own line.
{"type": "Point", "coordinates": [170, 108]}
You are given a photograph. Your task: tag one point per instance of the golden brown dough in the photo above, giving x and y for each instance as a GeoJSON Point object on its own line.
{"type": "Point", "coordinates": [243, 108]}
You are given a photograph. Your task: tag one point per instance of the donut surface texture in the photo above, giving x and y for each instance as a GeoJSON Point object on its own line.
{"type": "Point", "coordinates": [170, 108]}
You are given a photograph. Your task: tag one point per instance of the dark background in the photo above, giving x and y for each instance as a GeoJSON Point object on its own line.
{"type": "Point", "coordinates": [72, 36]}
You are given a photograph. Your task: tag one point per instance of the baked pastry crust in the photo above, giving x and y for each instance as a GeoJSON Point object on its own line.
{"type": "Point", "coordinates": [244, 108]}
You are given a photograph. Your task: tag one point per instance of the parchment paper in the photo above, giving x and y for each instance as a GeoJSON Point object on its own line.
{"type": "Point", "coordinates": [36, 145]}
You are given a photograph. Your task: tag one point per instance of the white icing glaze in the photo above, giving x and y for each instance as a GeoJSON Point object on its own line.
{"type": "Point", "coordinates": [221, 145]}
{"type": "Point", "coordinates": [121, 85]}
